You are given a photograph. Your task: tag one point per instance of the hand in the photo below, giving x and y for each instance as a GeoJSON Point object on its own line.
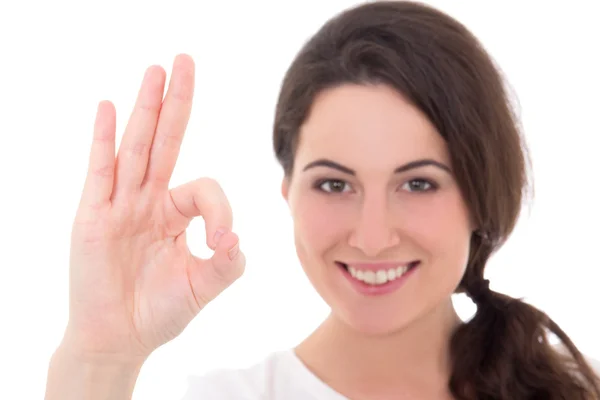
{"type": "Point", "coordinates": [134, 284]}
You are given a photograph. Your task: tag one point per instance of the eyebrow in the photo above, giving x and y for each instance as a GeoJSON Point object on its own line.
{"type": "Point", "coordinates": [323, 162]}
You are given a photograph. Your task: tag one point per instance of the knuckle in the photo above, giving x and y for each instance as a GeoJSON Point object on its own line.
{"type": "Point", "coordinates": [168, 140]}
{"type": "Point", "coordinates": [209, 186]}
{"type": "Point", "coordinates": [181, 92]}
{"type": "Point", "coordinates": [104, 136]}
{"type": "Point", "coordinates": [182, 96]}
{"type": "Point", "coordinates": [207, 181]}
{"type": "Point", "coordinates": [104, 172]}
{"type": "Point", "coordinates": [158, 180]}
{"type": "Point", "coordinates": [209, 201]}
{"type": "Point", "coordinates": [213, 188]}
{"type": "Point", "coordinates": [241, 266]}
{"type": "Point", "coordinates": [138, 149]}
{"type": "Point", "coordinates": [149, 107]}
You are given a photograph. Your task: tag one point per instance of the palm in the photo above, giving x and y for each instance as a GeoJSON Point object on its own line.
{"type": "Point", "coordinates": [134, 283]}
{"type": "Point", "coordinates": [163, 301]}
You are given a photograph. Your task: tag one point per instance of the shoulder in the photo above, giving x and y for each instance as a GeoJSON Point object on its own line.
{"type": "Point", "coordinates": [280, 376]}
{"type": "Point", "coordinates": [251, 383]}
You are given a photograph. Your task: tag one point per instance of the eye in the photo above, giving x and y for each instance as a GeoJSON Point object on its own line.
{"type": "Point", "coordinates": [335, 185]}
{"type": "Point", "coordinates": [419, 185]}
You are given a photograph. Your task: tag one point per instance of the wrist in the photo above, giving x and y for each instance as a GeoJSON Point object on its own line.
{"type": "Point", "coordinates": [78, 375]}
{"type": "Point", "coordinates": [92, 348]}
{"type": "Point", "coordinates": [77, 354]}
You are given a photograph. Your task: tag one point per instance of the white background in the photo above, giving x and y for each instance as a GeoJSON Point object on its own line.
{"type": "Point", "coordinates": [59, 59]}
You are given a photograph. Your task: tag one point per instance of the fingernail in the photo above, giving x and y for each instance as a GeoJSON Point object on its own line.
{"type": "Point", "coordinates": [218, 234]}
{"type": "Point", "coordinates": [234, 251]}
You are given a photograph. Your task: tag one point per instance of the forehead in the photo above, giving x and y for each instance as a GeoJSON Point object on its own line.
{"type": "Point", "coordinates": [370, 126]}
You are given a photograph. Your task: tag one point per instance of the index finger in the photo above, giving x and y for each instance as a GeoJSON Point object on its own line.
{"type": "Point", "coordinates": [203, 197]}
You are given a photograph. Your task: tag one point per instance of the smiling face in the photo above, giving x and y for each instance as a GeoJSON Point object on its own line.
{"type": "Point", "coordinates": [372, 183]}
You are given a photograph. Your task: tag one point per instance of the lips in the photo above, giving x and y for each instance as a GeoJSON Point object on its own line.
{"type": "Point", "coordinates": [377, 267]}
{"type": "Point", "coordinates": [375, 281]}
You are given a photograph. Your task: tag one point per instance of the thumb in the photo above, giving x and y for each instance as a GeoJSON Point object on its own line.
{"type": "Point", "coordinates": [211, 277]}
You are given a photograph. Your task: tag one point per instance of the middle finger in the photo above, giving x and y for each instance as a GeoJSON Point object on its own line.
{"type": "Point", "coordinates": [172, 123]}
{"type": "Point", "coordinates": [132, 159]}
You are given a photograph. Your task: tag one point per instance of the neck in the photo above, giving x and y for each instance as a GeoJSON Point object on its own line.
{"type": "Point", "coordinates": [414, 358]}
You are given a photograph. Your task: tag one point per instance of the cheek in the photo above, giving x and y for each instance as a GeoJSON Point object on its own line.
{"type": "Point", "coordinates": [440, 226]}
{"type": "Point", "coordinates": [316, 225]}
{"type": "Point", "coordinates": [440, 219]}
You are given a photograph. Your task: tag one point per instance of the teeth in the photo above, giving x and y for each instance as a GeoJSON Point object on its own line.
{"type": "Point", "coordinates": [391, 274]}
{"type": "Point", "coordinates": [378, 277]}
{"type": "Point", "coordinates": [369, 277]}
{"type": "Point", "coordinates": [381, 277]}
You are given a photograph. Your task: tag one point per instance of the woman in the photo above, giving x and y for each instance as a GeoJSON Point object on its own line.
{"type": "Point", "coordinates": [404, 171]}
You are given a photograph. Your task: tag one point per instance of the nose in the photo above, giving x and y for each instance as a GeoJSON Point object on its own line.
{"type": "Point", "coordinates": [374, 231]}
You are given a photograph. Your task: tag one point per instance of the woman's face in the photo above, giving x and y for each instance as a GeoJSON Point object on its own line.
{"type": "Point", "coordinates": [403, 232]}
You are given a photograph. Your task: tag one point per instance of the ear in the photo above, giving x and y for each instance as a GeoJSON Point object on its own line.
{"type": "Point", "coordinates": [285, 187]}
{"type": "Point", "coordinates": [474, 226]}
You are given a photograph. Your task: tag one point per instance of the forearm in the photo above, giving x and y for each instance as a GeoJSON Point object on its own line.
{"type": "Point", "coordinates": [74, 377]}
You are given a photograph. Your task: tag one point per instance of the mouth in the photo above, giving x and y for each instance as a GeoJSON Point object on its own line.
{"type": "Point", "coordinates": [378, 281]}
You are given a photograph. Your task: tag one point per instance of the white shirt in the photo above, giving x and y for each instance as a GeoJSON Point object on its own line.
{"type": "Point", "coordinates": [281, 376]}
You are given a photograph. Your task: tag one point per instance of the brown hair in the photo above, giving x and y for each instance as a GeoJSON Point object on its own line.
{"type": "Point", "coordinates": [438, 65]}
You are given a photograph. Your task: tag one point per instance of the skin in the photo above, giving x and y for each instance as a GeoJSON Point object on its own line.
{"type": "Point", "coordinates": [395, 344]}
{"type": "Point", "coordinates": [134, 283]}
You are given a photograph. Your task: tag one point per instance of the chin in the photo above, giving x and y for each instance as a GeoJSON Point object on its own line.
{"type": "Point", "coordinates": [370, 321]}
